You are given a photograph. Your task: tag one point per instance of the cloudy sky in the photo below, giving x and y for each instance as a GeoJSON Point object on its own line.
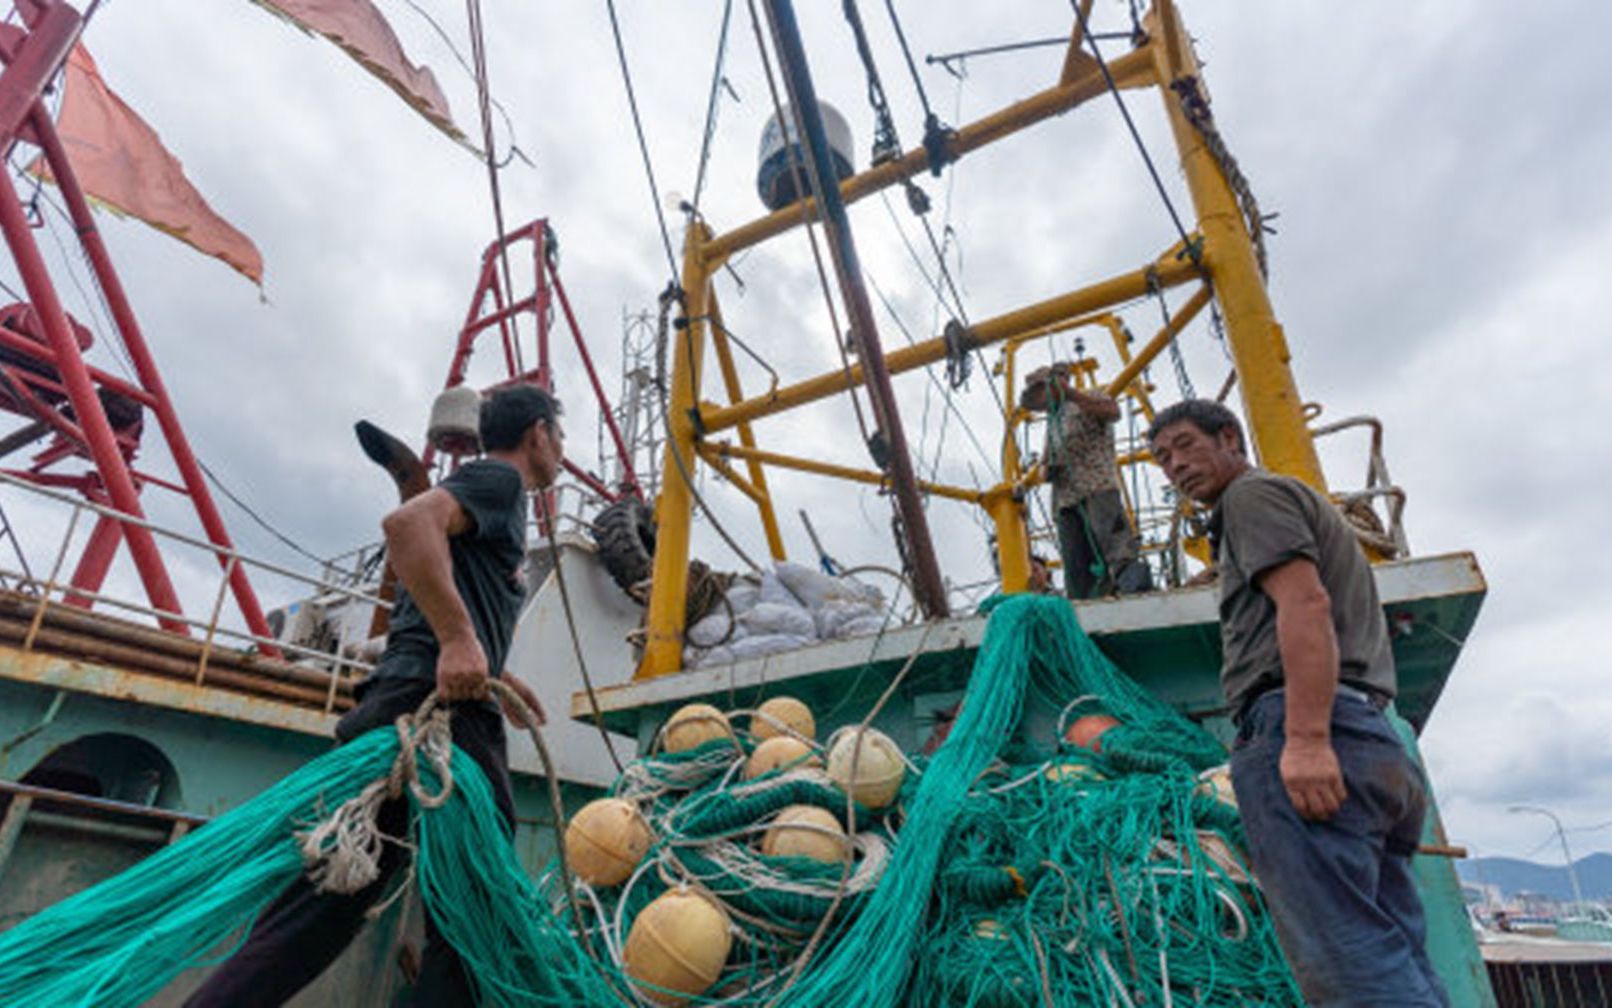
{"type": "Point", "coordinates": [1438, 169]}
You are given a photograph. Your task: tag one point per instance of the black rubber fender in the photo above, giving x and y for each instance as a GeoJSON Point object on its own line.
{"type": "Point", "coordinates": [625, 535]}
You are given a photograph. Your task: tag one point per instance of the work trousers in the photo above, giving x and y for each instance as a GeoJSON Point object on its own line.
{"type": "Point", "coordinates": [1098, 548]}
{"type": "Point", "coordinates": [1340, 892]}
{"type": "Point", "coordinates": [304, 930]}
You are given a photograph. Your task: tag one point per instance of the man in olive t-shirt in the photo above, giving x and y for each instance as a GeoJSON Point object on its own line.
{"type": "Point", "coordinates": [1331, 802]}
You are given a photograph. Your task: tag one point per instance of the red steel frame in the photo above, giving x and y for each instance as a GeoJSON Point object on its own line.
{"type": "Point", "coordinates": [548, 290]}
{"type": "Point", "coordinates": [33, 55]}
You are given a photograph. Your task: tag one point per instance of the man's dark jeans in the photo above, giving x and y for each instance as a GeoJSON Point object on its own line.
{"type": "Point", "coordinates": [1340, 892]}
{"type": "Point", "coordinates": [303, 931]}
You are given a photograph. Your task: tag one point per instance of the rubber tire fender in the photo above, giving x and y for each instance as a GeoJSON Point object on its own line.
{"type": "Point", "coordinates": [625, 535]}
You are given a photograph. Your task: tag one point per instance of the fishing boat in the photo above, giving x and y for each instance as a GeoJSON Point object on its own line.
{"type": "Point", "coordinates": [125, 725]}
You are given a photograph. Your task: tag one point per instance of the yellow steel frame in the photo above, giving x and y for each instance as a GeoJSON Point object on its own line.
{"type": "Point", "coordinates": [1225, 261]}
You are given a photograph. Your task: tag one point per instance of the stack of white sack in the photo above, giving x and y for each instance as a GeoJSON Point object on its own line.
{"type": "Point", "coordinates": [790, 607]}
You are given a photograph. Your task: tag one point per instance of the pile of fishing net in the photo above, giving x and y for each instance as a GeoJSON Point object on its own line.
{"type": "Point", "coordinates": [989, 874]}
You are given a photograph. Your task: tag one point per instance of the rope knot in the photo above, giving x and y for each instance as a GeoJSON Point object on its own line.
{"type": "Point", "coordinates": [342, 852]}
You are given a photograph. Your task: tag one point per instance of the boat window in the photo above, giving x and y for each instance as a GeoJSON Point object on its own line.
{"type": "Point", "coordinates": [121, 767]}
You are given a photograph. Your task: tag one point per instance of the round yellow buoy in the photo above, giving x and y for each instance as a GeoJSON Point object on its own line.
{"type": "Point", "coordinates": [1215, 783]}
{"type": "Point", "coordinates": [780, 751]}
{"type": "Point", "coordinates": [806, 831]}
{"type": "Point", "coordinates": [1068, 772]}
{"type": "Point", "coordinates": [605, 841]}
{"type": "Point", "coordinates": [783, 710]}
{"type": "Point", "coordinates": [879, 767]}
{"type": "Point", "coordinates": [677, 946]}
{"type": "Point", "coordinates": [693, 726]}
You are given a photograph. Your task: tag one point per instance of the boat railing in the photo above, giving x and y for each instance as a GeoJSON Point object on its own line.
{"type": "Point", "coordinates": [333, 667]}
{"type": "Point", "coordinates": [87, 814]}
{"type": "Point", "coordinates": [1378, 485]}
{"type": "Point", "coordinates": [574, 503]}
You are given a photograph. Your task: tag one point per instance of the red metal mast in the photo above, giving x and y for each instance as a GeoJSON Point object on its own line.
{"type": "Point", "coordinates": [547, 291]}
{"type": "Point", "coordinates": [41, 349]}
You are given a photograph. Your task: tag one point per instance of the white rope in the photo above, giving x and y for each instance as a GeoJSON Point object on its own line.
{"type": "Point", "coordinates": [342, 852]}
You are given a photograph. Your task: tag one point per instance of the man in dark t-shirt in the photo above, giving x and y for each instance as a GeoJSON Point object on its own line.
{"type": "Point", "coordinates": [1331, 802]}
{"type": "Point", "coordinates": [457, 550]}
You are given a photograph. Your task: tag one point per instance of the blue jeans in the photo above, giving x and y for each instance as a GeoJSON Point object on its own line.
{"type": "Point", "coordinates": [1340, 892]}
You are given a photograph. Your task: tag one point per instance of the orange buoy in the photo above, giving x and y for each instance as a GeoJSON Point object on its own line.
{"type": "Point", "coordinates": [879, 766]}
{"type": "Point", "coordinates": [1088, 730]}
{"type": "Point", "coordinates": [677, 946]}
{"type": "Point", "coordinates": [786, 711]}
{"type": "Point", "coordinates": [777, 752]}
{"type": "Point", "coordinates": [806, 831]}
{"type": "Point", "coordinates": [692, 726]}
{"type": "Point", "coordinates": [605, 840]}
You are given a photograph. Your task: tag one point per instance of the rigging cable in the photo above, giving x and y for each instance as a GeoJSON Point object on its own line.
{"type": "Point", "coordinates": [643, 145]}
{"type": "Point", "coordinates": [259, 519]}
{"type": "Point", "coordinates": [1189, 247]}
{"type": "Point", "coordinates": [946, 229]}
{"type": "Point", "coordinates": [937, 135]}
{"type": "Point", "coordinates": [478, 54]}
{"type": "Point", "coordinates": [673, 293]}
{"type": "Point", "coordinates": [1183, 380]}
{"type": "Point", "coordinates": [509, 124]}
{"type": "Point", "coordinates": [711, 103]}
{"type": "Point", "coordinates": [98, 308]}
{"type": "Point", "coordinates": [962, 56]}
{"type": "Point", "coordinates": [797, 171]}
{"type": "Point", "coordinates": [886, 144]}
{"type": "Point", "coordinates": [929, 371]}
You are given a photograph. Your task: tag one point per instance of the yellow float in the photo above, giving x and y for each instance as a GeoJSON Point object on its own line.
{"type": "Point", "coordinates": [605, 841]}
{"type": "Point", "coordinates": [806, 831]}
{"type": "Point", "coordinates": [692, 726]}
{"type": "Point", "coordinates": [780, 751]}
{"type": "Point", "coordinates": [677, 947]}
{"type": "Point", "coordinates": [786, 711]}
{"type": "Point", "coordinates": [878, 763]}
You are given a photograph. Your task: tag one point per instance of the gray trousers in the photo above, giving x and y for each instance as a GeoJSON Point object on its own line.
{"type": "Point", "coordinates": [1098, 548]}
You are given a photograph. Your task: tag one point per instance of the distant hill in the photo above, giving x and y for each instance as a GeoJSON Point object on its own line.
{"type": "Point", "coordinates": [1513, 876]}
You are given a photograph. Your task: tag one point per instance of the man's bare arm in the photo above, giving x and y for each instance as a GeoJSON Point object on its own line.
{"type": "Point", "coordinates": [1094, 404]}
{"type": "Point", "coordinates": [417, 547]}
{"type": "Point", "coordinates": [1309, 650]}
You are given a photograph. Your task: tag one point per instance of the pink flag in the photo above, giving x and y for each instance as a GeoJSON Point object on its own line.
{"type": "Point", "coordinates": [362, 32]}
{"type": "Point", "coordinates": [121, 164]}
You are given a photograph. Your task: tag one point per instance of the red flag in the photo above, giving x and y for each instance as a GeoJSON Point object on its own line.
{"type": "Point", "coordinates": [121, 164]}
{"type": "Point", "coordinates": [362, 32]}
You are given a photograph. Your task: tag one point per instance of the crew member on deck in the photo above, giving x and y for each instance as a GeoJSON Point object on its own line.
{"type": "Point", "coordinates": [1331, 802]}
{"type": "Point", "coordinates": [458, 550]}
{"type": "Point", "coordinates": [1095, 539]}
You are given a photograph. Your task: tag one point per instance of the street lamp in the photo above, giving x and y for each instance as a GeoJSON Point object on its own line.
{"type": "Point", "coordinates": [1561, 834]}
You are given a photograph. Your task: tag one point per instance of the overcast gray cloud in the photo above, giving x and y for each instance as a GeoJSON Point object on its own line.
{"type": "Point", "coordinates": [1439, 171]}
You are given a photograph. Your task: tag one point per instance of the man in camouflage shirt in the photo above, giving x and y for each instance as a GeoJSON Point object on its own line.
{"type": "Point", "coordinates": [1095, 539]}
